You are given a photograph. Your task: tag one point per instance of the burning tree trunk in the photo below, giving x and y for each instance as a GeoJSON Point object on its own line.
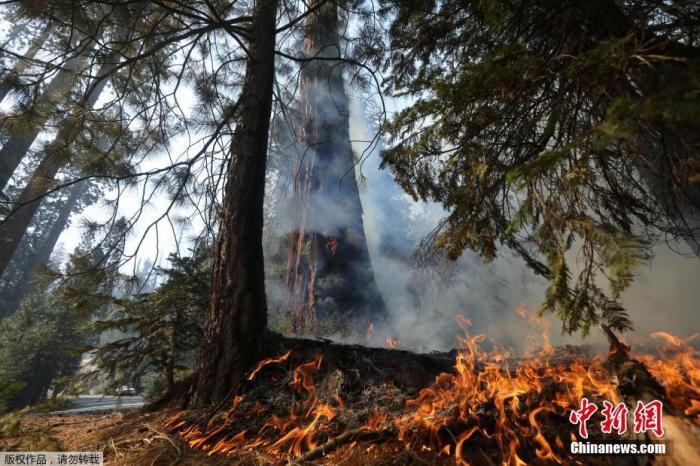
{"type": "Point", "coordinates": [329, 274]}
{"type": "Point", "coordinates": [237, 315]}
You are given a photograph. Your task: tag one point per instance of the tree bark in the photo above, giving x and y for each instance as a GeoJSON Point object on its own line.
{"type": "Point", "coordinates": [237, 316]}
{"type": "Point", "coordinates": [13, 227]}
{"type": "Point", "coordinates": [329, 272]}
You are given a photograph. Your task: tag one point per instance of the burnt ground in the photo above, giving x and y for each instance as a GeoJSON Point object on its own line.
{"type": "Point", "coordinates": [371, 391]}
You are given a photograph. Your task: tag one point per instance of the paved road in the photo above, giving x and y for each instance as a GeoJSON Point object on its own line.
{"type": "Point", "coordinates": [100, 403]}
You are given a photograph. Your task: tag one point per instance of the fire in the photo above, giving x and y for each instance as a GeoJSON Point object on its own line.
{"type": "Point", "coordinates": [518, 407]}
{"type": "Point", "coordinates": [370, 332]}
{"type": "Point", "coordinates": [515, 392]}
{"type": "Point", "coordinates": [297, 433]}
{"type": "Point", "coordinates": [391, 343]}
{"type": "Point", "coordinates": [332, 245]}
{"type": "Point", "coordinates": [677, 367]}
{"type": "Point", "coordinates": [266, 362]}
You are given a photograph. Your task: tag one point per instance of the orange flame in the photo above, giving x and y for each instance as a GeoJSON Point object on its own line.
{"type": "Point", "coordinates": [370, 332]}
{"type": "Point", "coordinates": [677, 367]}
{"type": "Point", "coordinates": [520, 398]}
{"type": "Point", "coordinates": [267, 362]}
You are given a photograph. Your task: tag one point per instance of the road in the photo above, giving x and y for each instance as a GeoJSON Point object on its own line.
{"type": "Point", "coordinates": [102, 403]}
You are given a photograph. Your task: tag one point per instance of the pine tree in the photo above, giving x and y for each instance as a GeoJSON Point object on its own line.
{"type": "Point", "coordinates": [236, 321]}
{"type": "Point", "coordinates": [8, 82]}
{"type": "Point", "coordinates": [57, 155]}
{"type": "Point", "coordinates": [545, 126]}
{"type": "Point", "coordinates": [161, 329]}
{"type": "Point", "coordinates": [24, 129]}
{"type": "Point", "coordinates": [35, 248]}
{"type": "Point", "coordinates": [42, 343]}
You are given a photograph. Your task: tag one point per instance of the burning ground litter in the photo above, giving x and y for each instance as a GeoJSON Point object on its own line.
{"type": "Point", "coordinates": [315, 401]}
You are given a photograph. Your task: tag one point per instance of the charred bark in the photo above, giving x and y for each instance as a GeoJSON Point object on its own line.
{"type": "Point", "coordinates": [237, 315]}
{"type": "Point", "coordinates": [329, 273]}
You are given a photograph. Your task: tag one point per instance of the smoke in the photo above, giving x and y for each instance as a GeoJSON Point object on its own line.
{"type": "Point", "coordinates": [423, 307]}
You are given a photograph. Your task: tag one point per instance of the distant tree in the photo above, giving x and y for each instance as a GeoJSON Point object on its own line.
{"type": "Point", "coordinates": [161, 329]}
{"type": "Point", "coordinates": [39, 241]}
{"type": "Point", "coordinates": [43, 342]}
{"type": "Point", "coordinates": [563, 130]}
{"type": "Point", "coordinates": [9, 79]}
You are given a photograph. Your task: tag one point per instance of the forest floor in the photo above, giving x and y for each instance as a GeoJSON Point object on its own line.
{"type": "Point", "coordinates": [318, 403]}
{"type": "Point", "coordinates": [138, 438]}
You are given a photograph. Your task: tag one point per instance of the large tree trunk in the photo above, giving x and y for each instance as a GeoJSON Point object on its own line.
{"type": "Point", "coordinates": [9, 81]}
{"type": "Point", "coordinates": [329, 274]}
{"type": "Point", "coordinates": [17, 146]}
{"type": "Point", "coordinates": [237, 315]}
{"type": "Point", "coordinates": [42, 181]}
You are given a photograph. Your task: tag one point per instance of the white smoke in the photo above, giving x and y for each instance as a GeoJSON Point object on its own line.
{"type": "Point", "coordinates": [662, 297]}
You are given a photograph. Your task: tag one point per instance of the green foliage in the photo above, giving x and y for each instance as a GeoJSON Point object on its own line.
{"type": "Point", "coordinates": [42, 343]}
{"type": "Point", "coordinates": [39, 345]}
{"type": "Point", "coordinates": [153, 384]}
{"type": "Point", "coordinates": [160, 331]}
{"type": "Point", "coordinates": [567, 131]}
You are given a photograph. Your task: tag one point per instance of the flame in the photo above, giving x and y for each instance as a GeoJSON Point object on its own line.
{"type": "Point", "coordinates": [332, 245]}
{"type": "Point", "coordinates": [267, 362]}
{"type": "Point", "coordinates": [370, 332]}
{"type": "Point", "coordinates": [515, 392]}
{"type": "Point", "coordinates": [677, 368]}
{"type": "Point", "coordinates": [391, 343]}
{"type": "Point", "coordinates": [303, 375]}
{"type": "Point", "coordinates": [488, 399]}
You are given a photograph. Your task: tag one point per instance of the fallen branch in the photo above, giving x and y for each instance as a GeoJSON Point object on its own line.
{"type": "Point", "coordinates": [345, 438]}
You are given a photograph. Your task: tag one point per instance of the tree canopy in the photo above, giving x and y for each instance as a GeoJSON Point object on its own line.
{"type": "Point", "coordinates": [566, 131]}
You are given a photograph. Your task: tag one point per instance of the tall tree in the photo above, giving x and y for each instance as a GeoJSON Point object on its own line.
{"type": "Point", "coordinates": [558, 125]}
{"type": "Point", "coordinates": [236, 321]}
{"type": "Point", "coordinates": [329, 274]}
{"type": "Point", "coordinates": [24, 133]}
{"type": "Point", "coordinates": [36, 251]}
{"type": "Point", "coordinates": [57, 156]}
{"type": "Point", "coordinates": [9, 81]}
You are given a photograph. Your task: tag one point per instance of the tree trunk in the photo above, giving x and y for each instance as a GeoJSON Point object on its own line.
{"type": "Point", "coordinates": [17, 146]}
{"type": "Point", "coordinates": [237, 315]}
{"type": "Point", "coordinates": [13, 227]}
{"type": "Point", "coordinates": [41, 255]}
{"type": "Point", "coordinates": [329, 273]}
{"type": "Point", "coordinates": [10, 79]}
